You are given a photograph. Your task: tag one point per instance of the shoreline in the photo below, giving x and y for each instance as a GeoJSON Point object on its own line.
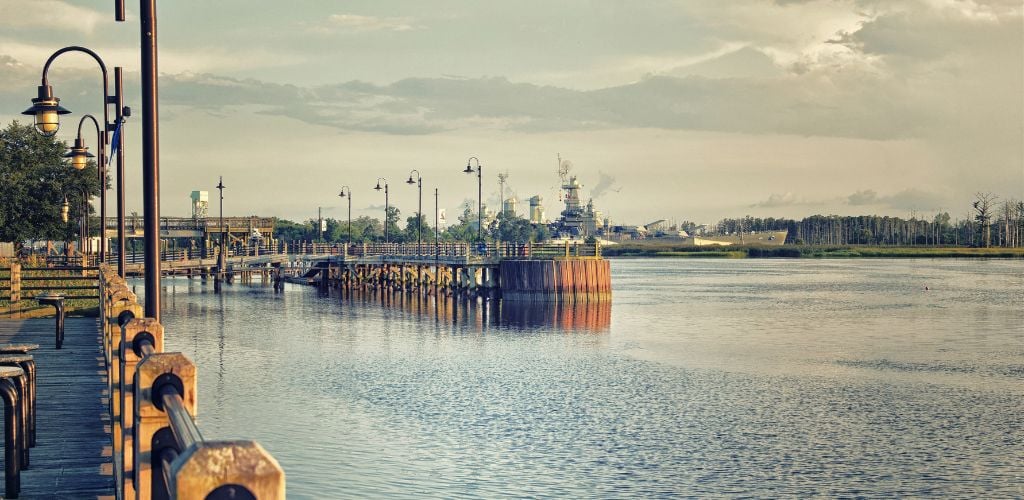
{"type": "Point", "coordinates": [626, 250]}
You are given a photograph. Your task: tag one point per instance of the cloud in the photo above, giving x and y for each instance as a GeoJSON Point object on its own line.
{"type": "Point", "coordinates": [354, 23]}
{"type": "Point", "coordinates": [48, 15]}
{"type": "Point", "coordinates": [864, 197]}
{"type": "Point", "coordinates": [776, 200]}
{"type": "Point", "coordinates": [915, 199]}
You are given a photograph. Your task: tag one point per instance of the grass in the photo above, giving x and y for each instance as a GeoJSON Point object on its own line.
{"type": "Point", "coordinates": [29, 308]}
{"type": "Point", "coordinates": [671, 250]}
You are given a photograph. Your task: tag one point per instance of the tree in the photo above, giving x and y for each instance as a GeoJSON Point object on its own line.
{"type": "Point", "coordinates": [983, 206]}
{"type": "Point", "coordinates": [465, 230]}
{"type": "Point", "coordinates": [394, 232]}
{"type": "Point", "coordinates": [412, 223]}
{"type": "Point", "coordinates": [513, 228]}
{"type": "Point", "coordinates": [34, 182]}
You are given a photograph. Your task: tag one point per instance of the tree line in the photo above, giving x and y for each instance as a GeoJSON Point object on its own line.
{"type": "Point", "coordinates": [365, 229]}
{"type": "Point", "coordinates": [989, 222]}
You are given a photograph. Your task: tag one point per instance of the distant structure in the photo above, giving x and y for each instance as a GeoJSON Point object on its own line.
{"type": "Point", "coordinates": [511, 204]}
{"type": "Point", "coordinates": [577, 220]}
{"type": "Point", "coordinates": [200, 204]}
{"type": "Point", "coordinates": [536, 210]}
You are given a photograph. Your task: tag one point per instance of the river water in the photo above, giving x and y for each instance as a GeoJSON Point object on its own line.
{"type": "Point", "coordinates": [701, 378]}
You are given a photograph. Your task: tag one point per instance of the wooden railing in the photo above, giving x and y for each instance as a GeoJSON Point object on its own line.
{"type": "Point", "coordinates": [448, 249]}
{"type": "Point", "coordinates": [158, 449]}
{"type": "Point", "coordinates": [20, 283]}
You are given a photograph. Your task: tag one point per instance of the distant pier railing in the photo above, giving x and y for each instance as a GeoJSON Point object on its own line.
{"type": "Point", "coordinates": [501, 250]}
{"type": "Point", "coordinates": [158, 449]}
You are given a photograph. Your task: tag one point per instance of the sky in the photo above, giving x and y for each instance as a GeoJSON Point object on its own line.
{"type": "Point", "coordinates": [682, 110]}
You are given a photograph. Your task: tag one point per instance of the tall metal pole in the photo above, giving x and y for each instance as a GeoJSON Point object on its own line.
{"type": "Point", "coordinates": [319, 225]}
{"type": "Point", "coordinates": [121, 259]}
{"type": "Point", "coordinates": [419, 218]}
{"type": "Point", "coordinates": [419, 209]}
{"type": "Point", "coordinates": [386, 205]}
{"type": "Point", "coordinates": [150, 157]}
{"type": "Point", "coordinates": [479, 202]}
{"type": "Point", "coordinates": [220, 187]}
{"type": "Point", "coordinates": [347, 192]}
{"type": "Point", "coordinates": [437, 247]}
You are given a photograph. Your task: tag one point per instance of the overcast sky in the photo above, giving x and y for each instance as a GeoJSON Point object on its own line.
{"type": "Point", "coordinates": [683, 110]}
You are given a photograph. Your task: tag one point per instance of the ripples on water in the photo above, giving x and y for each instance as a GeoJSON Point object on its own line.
{"type": "Point", "coordinates": [705, 378]}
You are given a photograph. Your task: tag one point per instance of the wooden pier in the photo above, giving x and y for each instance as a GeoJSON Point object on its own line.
{"type": "Point", "coordinates": [72, 457]}
{"type": "Point", "coordinates": [534, 273]}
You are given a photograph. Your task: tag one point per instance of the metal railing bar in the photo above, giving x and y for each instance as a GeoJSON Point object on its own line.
{"type": "Point", "coordinates": [185, 431]}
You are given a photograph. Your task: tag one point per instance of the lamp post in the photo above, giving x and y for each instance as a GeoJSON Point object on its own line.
{"type": "Point", "coordinates": [150, 149]}
{"type": "Point", "coordinates": [319, 224]}
{"type": "Point", "coordinates": [419, 209]}
{"type": "Point", "coordinates": [220, 187]}
{"type": "Point", "coordinates": [386, 206]}
{"type": "Point", "coordinates": [83, 235]}
{"type": "Point", "coordinates": [346, 192]}
{"type": "Point", "coordinates": [79, 155]}
{"type": "Point", "coordinates": [46, 110]}
{"type": "Point", "coordinates": [437, 246]}
{"type": "Point", "coordinates": [479, 195]}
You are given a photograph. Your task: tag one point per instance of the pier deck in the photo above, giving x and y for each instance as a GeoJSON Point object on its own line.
{"type": "Point", "coordinates": [72, 454]}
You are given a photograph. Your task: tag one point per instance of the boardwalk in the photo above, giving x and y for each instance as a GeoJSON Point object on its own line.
{"type": "Point", "coordinates": [72, 456]}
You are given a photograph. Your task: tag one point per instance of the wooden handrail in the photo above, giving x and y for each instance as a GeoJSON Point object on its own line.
{"type": "Point", "coordinates": [159, 451]}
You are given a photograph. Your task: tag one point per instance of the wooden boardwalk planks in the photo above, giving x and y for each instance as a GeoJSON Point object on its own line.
{"type": "Point", "coordinates": [72, 454]}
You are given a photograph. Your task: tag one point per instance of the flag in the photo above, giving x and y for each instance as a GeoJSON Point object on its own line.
{"type": "Point", "coordinates": [441, 217]}
{"type": "Point", "coordinates": [114, 141]}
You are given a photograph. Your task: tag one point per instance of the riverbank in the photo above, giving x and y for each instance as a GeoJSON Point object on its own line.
{"type": "Point", "coordinates": [657, 249]}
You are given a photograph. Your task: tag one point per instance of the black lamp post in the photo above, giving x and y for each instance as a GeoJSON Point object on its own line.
{"type": "Point", "coordinates": [386, 206]}
{"type": "Point", "coordinates": [150, 149]}
{"type": "Point", "coordinates": [79, 155]}
{"type": "Point", "coordinates": [479, 195]}
{"type": "Point", "coordinates": [346, 192]}
{"type": "Point", "coordinates": [47, 110]}
{"type": "Point", "coordinates": [419, 209]}
{"type": "Point", "coordinates": [319, 224]}
{"type": "Point", "coordinates": [220, 187]}
{"type": "Point", "coordinates": [437, 247]}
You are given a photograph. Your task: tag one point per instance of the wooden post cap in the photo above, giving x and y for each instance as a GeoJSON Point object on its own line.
{"type": "Point", "coordinates": [149, 326]}
{"type": "Point", "coordinates": [210, 465]}
{"type": "Point", "coordinates": [155, 365]}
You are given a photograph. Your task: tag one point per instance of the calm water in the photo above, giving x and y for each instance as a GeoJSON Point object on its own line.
{"type": "Point", "coordinates": [702, 378]}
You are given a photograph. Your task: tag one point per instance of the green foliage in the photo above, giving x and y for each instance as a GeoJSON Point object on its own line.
{"type": "Point", "coordinates": [395, 234]}
{"type": "Point", "coordinates": [465, 230]}
{"type": "Point", "coordinates": [34, 181]}
{"type": "Point", "coordinates": [411, 225]}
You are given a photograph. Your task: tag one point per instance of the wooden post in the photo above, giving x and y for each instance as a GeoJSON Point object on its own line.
{"type": "Point", "coordinates": [150, 418]}
{"type": "Point", "coordinates": [115, 337]}
{"type": "Point", "coordinates": [227, 467]}
{"type": "Point", "coordinates": [134, 330]}
{"type": "Point", "coordinates": [15, 283]}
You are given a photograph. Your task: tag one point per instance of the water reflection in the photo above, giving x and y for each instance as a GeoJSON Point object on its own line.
{"type": "Point", "coordinates": [590, 317]}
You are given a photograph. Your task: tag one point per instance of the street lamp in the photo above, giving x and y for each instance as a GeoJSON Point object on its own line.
{"type": "Point", "coordinates": [346, 192]}
{"type": "Point", "coordinates": [386, 206]}
{"type": "Point", "coordinates": [150, 149]}
{"type": "Point", "coordinates": [437, 247]}
{"type": "Point", "coordinates": [479, 194]}
{"type": "Point", "coordinates": [79, 155]}
{"type": "Point", "coordinates": [220, 187]}
{"type": "Point", "coordinates": [419, 209]}
{"type": "Point", "coordinates": [46, 111]}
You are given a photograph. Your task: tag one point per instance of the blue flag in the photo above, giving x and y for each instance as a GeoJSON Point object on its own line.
{"type": "Point", "coordinates": [114, 141]}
